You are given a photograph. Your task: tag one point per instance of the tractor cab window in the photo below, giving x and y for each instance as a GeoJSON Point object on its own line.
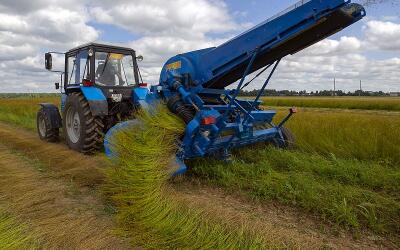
{"type": "Point", "coordinates": [113, 69]}
{"type": "Point", "coordinates": [78, 68]}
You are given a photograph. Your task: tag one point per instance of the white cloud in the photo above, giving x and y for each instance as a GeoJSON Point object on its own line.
{"type": "Point", "coordinates": [383, 35]}
{"type": "Point", "coordinates": [157, 50]}
{"type": "Point", "coordinates": [167, 28]}
{"type": "Point", "coordinates": [30, 27]}
{"type": "Point", "coordinates": [180, 18]}
{"type": "Point", "coordinates": [343, 59]}
{"type": "Point", "coordinates": [330, 47]}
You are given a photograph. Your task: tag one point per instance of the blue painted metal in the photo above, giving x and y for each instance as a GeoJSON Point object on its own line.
{"type": "Point", "coordinates": [63, 101]}
{"type": "Point", "coordinates": [220, 66]}
{"type": "Point", "coordinates": [181, 167]}
{"type": "Point", "coordinates": [97, 100]}
{"type": "Point", "coordinates": [144, 98]}
{"type": "Point", "coordinates": [108, 138]}
{"type": "Point", "coordinates": [140, 93]}
{"type": "Point", "coordinates": [266, 82]}
{"type": "Point", "coordinates": [93, 94]}
{"type": "Point", "coordinates": [201, 75]}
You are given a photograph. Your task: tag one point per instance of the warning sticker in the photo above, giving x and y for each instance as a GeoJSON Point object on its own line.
{"type": "Point", "coordinates": [174, 65]}
{"type": "Point", "coordinates": [115, 56]}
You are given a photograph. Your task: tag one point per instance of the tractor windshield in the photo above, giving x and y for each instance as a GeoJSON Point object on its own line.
{"type": "Point", "coordinates": [114, 69]}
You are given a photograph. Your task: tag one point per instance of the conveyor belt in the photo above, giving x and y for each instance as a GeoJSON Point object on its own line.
{"type": "Point", "coordinates": [283, 35]}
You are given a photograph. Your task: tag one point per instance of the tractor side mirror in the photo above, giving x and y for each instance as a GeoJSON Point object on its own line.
{"type": "Point", "coordinates": [57, 85]}
{"type": "Point", "coordinates": [48, 61]}
{"type": "Point", "coordinates": [139, 58]}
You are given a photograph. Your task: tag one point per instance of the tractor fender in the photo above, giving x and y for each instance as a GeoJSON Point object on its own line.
{"type": "Point", "coordinates": [97, 101]}
{"type": "Point", "coordinates": [52, 112]}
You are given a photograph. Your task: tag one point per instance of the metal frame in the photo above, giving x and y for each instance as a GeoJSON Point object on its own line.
{"type": "Point", "coordinates": [247, 114]}
{"type": "Point", "coordinates": [248, 117]}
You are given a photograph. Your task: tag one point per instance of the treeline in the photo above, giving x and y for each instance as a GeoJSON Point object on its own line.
{"type": "Point", "coordinates": [268, 92]}
{"type": "Point", "coordinates": [24, 95]}
{"type": "Point", "coordinates": [273, 92]}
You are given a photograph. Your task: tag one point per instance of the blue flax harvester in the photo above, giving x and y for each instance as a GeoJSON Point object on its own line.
{"type": "Point", "coordinates": [102, 87]}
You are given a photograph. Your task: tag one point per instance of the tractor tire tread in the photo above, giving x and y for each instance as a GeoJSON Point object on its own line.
{"type": "Point", "coordinates": [51, 134]}
{"type": "Point", "coordinates": [93, 129]}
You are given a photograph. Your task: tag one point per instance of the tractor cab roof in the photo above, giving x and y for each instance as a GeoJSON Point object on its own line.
{"type": "Point", "coordinates": [103, 47]}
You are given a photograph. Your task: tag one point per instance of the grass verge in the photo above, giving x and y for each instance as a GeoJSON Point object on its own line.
{"type": "Point", "coordinates": [348, 192]}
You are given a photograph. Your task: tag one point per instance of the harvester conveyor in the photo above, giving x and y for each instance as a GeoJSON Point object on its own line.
{"type": "Point", "coordinates": [194, 83]}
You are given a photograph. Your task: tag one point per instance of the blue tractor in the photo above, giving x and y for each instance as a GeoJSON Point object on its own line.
{"type": "Point", "coordinates": [103, 86]}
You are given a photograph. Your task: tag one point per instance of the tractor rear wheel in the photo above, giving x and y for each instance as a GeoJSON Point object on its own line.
{"type": "Point", "coordinates": [45, 131]}
{"type": "Point", "coordinates": [83, 131]}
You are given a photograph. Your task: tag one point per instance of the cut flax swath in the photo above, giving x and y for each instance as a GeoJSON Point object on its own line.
{"type": "Point", "coordinates": [58, 213]}
{"type": "Point", "coordinates": [14, 235]}
{"type": "Point", "coordinates": [147, 210]}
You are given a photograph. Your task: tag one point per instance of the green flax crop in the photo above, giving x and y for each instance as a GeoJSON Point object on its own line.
{"type": "Point", "coordinates": [138, 183]}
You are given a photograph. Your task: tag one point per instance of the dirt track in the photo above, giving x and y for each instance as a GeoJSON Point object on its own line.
{"type": "Point", "coordinates": [54, 190]}
{"type": "Point", "coordinates": [59, 215]}
{"type": "Point", "coordinates": [62, 168]}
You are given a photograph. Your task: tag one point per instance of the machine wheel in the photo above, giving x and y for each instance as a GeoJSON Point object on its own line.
{"type": "Point", "coordinates": [45, 131]}
{"type": "Point", "coordinates": [289, 139]}
{"type": "Point", "coordinates": [83, 131]}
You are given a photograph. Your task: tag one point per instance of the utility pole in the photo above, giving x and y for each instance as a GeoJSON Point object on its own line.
{"type": "Point", "coordinates": [360, 88]}
{"type": "Point", "coordinates": [334, 86]}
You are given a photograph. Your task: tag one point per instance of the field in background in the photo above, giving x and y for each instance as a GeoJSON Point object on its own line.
{"type": "Point", "coordinates": [362, 135]}
{"type": "Point", "coordinates": [366, 103]}
{"type": "Point", "coordinates": [22, 110]}
{"type": "Point", "coordinates": [345, 170]}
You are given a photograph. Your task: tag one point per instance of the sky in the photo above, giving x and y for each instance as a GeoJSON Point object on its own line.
{"type": "Point", "coordinates": [157, 29]}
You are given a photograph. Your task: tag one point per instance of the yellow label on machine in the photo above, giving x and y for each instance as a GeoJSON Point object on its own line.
{"type": "Point", "coordinates": [114, 56]}
{"type": "Point", "coordinates": [175, 65]}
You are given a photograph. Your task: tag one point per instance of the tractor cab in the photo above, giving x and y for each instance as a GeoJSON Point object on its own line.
{"type": "Point", "coordinates": [103, 66]}
{"type": "Point", "coordinates": [102, 87]}
{"type": "Point", "coordinates": [106, 67]}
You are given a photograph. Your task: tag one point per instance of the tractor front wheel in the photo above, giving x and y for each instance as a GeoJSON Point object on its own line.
{"type": "Point", "coordinates": [83, 131]}
{"type": "Point", "coordinates": [45, 131]}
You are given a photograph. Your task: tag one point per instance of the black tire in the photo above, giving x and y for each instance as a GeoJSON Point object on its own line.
{"type": "Point", "coordinates": [83, 131]}
{"type": "Point", "coordinates": [290, 141]}
{"type": "Point", "coordinates": [43, 125]}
